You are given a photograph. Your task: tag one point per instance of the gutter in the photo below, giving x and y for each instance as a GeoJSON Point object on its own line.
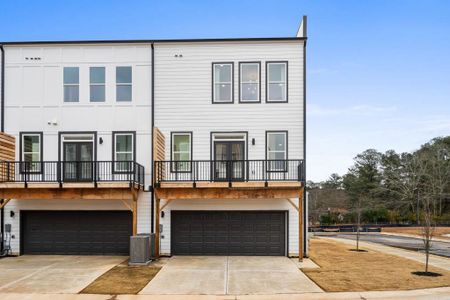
{"type": "Point", "coordinates": [153, 126]}
{"type": "Point", "coordinates": [2, 127]}
{"type": "Point", "coordinates": [305, 217]}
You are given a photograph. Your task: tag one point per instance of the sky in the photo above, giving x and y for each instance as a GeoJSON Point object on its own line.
{"type": "Point", "coordinates": [378, 71]}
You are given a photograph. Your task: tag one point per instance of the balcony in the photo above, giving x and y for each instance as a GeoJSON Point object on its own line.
{"type": "Point", "coordinates": [229, 173]}
{"type": "Point", "coordinates": [71, 174]}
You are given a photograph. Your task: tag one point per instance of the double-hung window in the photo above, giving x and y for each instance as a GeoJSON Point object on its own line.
{"type": "Point", "coordinates": [181, 151]}
{"type": "Point", "coordinates": [124, 84]}
{"type": "Point", "coordinates": [249, 85]}
{"type": "Point", "coordinates": [71, 84]}
{"type": "Point", "coordinates": [276, 82]}
{"type": "Point", "coordinates": [124, 151]}
{"type": "Point", "coordinates": [31, 152]}
{"type": "Point", "coordinates": [97, 84]}
{"type": "Point", "coordinates": [222, 82]}
{"type": "Point", "coordinates": [276, 152]}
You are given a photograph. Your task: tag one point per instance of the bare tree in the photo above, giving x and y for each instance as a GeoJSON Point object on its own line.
{"type": "Point", "coordinates": [428, 225]}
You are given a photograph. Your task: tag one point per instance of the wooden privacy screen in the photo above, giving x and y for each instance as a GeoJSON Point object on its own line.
{"type": "Point", "coordinates": [7, 154]}
{"type": "Point", "coordinates": [159, 152]}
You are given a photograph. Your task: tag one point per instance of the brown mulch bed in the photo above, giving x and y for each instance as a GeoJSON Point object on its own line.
{"type": "Point", "coordinates": [342, 270]}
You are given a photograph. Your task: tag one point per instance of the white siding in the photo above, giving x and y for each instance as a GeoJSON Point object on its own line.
{"type": "Point", "coordinates": [213, 204]}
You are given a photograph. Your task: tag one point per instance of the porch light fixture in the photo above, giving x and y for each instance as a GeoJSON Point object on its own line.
{"type": "Point", "coordinates": [253, 141]}
{"type": "Point", "coordinates": [100, 140]}
{"type": "Point", "coordinates": [12, 214]}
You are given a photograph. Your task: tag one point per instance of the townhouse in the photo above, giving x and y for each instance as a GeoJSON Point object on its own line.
{"type": "Point", "coordinates": [200, 141]}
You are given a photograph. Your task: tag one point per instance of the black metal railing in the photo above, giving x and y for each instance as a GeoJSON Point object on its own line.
{"type": "Point", "coordinates": [230, 170]}
{"type": "Point", "coordinates": [72, 171]}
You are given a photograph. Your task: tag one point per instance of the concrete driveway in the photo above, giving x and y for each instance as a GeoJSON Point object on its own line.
{"type": "Point", "coordinates": [53, 274]}
{"type": "Point", "coordinates": [229, 275]}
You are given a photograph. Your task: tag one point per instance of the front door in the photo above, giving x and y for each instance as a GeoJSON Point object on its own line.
{"type": "Point", "coordinates": [229, 161]}
{"type": "Point", "coordinates": [78, 161]}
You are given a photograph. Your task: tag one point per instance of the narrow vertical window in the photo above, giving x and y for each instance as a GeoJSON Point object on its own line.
{"type": "Point", "coordinates": [181, 151]}
{"type": "Point", "coordinates": [222, 83]}
{"type": "Point", "coordinates": [276, 152]}
{"type": "Point", "coordinates": [71, 84]}
{"type": "Point", "coordinates": [97, 84]}
{"type": "Point", "coordinates": [123, 84]}
{"type": "Point", "coordinates": [276, 82]}
{"type": "Point", "coordinates": [124, 151]}
{"type": "Point", "coordinates": [31, 152]}
{"type": "Point", "coordinates": [249, 85]}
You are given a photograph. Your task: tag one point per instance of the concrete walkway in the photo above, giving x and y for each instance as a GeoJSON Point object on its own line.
{"type": "Point", "coordinates": [427, 294]}
{"type": "Point", "coordinates": [233, 275]}
{"type": "Point", "coordinates": [436, 261]}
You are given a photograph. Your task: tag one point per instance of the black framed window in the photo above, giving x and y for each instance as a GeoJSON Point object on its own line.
{"type": "Point", "coordinates": [222, 82]}
{"type": "Point", "coordinates": [31, 152]}
{"type": "Point", "coordinates": [124, 84]}
{"type": "Point", "coordinates": [277, 81]}
{"type": "Point", "coordinates": [71, 84]}
{"type": "Point", "coordinates": [124, 151]}
{"type": "Point", "coordinates": [97, 84]}
{"type": "Point", "coordinates": [276, 150]}
{"type": "Point", "coordinates": [250, 82]}
{"type": "Point", "coordinates": [181, 152]}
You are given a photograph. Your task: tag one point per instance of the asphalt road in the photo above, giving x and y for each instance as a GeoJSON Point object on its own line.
{"type": "Point", "coordinates": [410, 243]}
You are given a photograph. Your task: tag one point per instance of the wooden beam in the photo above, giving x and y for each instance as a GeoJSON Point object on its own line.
{"type": "Point", "coordinates": [300, 225]}
{"type": "Point", "coordinates": [181, 184]}
{"type": "Point", "coordinates": [66, 193]}
{"type": "Point", "coordinates": [165, 204]}
{"type": "Point", "coordinates": [157, 227]}
{"type": "Point", "coordinates": [125, 202]}
{"type": "Point", "coordinates": [134, 194]}
{"type": "Point", "coordinates": [252, 184]}
{"type": "Point", "coordinates": [293, 204]}
{"type": "Point", "coordinates": [226, 193]}
{"type": "Point", "coordinates": [5, 201]}
{"type": "Point", "coordinates": [284, 184]}
{"type": "Point", "coordinates": [212, 184]}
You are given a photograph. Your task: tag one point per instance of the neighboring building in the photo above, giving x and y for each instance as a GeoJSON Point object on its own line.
{"type": "Point", "coordinates": [219, 121]}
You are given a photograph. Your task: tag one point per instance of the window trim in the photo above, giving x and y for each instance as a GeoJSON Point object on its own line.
{"type": "Point", "coordinates": [286, 133]}
{"type": "Point", "coordinates": [97, 84]}
{"type": "Point", "coordinates": [232, 82]}
{"type": "Point", "coordinates": [287, 81]}
{"type": "Point", "coordinates": [240, 83]}
{"type": "Point", "coordinates": [191, 154]}
{"type": "Point", "coordinates": [124, 84]}
{"type": "Point", "coordinates": [21, 152]}
{"type": "Point", "coordinates": [114, 134]}
{"type": "Point", "coordinates": [71, 84]}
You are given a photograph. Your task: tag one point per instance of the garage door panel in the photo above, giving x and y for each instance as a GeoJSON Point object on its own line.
{"type": "Point", "coordinates": [228, 233]}
{"type": "Point", "coordinates": [76, 232]}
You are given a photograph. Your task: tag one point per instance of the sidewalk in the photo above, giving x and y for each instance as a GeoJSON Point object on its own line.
{"type": "Point", "coordinates": [427, 294]}
{"type": "Point", "coordinates": [436, 261]}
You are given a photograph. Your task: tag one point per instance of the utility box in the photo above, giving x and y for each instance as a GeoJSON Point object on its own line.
{"type": "Point", "coordinates": [140, 249]}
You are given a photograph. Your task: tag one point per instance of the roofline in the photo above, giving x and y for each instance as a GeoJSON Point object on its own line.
{"type": "Point", "coordinates": [154, 41]}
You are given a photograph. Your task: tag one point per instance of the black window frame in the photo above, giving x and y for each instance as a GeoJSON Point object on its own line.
{"type": "Point", "coordinates": [133, 134]}
{"type": "Point", "coordinates": [97, 84]}
{"type": "Point", "coordinates": [213, 83]}
{"type": "Point", "coordinates": [172, 161]}
{"type": "Point", "coordinates": [268, 168]}
{"type": "Point", "coordinates": [41, 153]}
{"type": "Point", "coordinates": [240, 83]}
{"type": "Point", "coordinates": [71, 84]}
{"type": "Point", "coordinates": [124, 84]}
{"type": "Point", "coordinates": [267, 81]}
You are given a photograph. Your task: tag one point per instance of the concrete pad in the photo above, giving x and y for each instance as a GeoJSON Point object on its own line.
{"type": "Point", "coordinates": [54, 274]}
{"type": "Point", "coordinates": [306, 263]}
{"type": "Point", "coordinates": [261, 263]}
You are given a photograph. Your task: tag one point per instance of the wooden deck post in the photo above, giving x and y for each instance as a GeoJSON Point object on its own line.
{"type": "Point", "coordinates": [300, 224]}
{"type": "Point", "coordinates": [157, 227]}
{"type": "Point", "coordinates": [135, 196]}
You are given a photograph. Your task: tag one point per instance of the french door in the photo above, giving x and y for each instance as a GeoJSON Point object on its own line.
{"type": "Point", "coordinates": [78, 161]}
{"type": "Point", "coordinates": [229, 161]}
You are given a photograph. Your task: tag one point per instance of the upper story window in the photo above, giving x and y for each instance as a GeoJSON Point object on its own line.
{"type": "Point", "coordinates": [222, 82]}
{"type": "Point", "coordinates": [181, 151]}
{"type": "Point", "coordinates": [124, 151]}
{"type": "Point", "coordinates": [249, 85]}
{"type": "Point", "coordinates": [276, 82]}
{"type": "Point", "coordinates": [31, 152]}
{"type": "Point", "coordinates": [97, 84]}
{"type": "Point", "coordinates": [71, 84]}
{"type": "Point", "coordinates": [123, 84]}
{"type": "Point", "coordinates": [276, 152]}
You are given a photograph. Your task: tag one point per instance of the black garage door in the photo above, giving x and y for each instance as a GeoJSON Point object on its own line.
{"type": "Point", "coordinates": [228, 233]}
{"type": "Point", "coordinates": [76, 232]}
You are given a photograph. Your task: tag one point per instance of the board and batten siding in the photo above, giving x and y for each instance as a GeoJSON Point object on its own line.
{"type": "Point", "coordinates": [34, 96]}
{"type": "Point", "coordinates": [183, 94]}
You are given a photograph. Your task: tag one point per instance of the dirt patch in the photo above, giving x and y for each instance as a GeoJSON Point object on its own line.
{"type": "Point", "coordinates": [342, 270]}
{"type": "Point", "coordinates": [122, 279]}
{"type": "Point", "coordinates": [440, 232]}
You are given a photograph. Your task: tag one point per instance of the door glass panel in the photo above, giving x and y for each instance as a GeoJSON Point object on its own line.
{"type": "Point", "coordinates": [70, 157]}
{"type": "Point", "coordinates": [85, 171]}
{"type": "Point", "coordinates": [229, 162]}
{"type": "Point", "coordinates": [77, 165]}
{"type": "Point", "coordinates": [237, 155]}
{"type": "Point", "coordinates": [220, 164]}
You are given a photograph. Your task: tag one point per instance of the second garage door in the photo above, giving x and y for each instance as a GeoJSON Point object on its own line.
{"type": "Point", "coordinates": [228, 233]}
{"type": "Point", "coordinates": [76, 232]}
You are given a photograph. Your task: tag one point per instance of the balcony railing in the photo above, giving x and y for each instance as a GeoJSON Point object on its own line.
{"type": "Point", "coordinates": [230, 170]}
{"type": "Point", "coordinates": [72, 171]}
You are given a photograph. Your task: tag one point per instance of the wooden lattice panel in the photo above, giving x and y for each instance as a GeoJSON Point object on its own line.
{"type": "Point", "coordinates": [159, 151]}
{"type": "Point", "coordinates": [7, 154]}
